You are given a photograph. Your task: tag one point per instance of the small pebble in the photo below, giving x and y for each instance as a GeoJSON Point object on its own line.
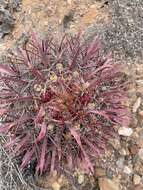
{"type": "Point", "coordinates": [141, 113]}
{"type": "Point", "coordinates": [123, 152]}
{"type": "Point", "coordinates": [141, 133]}
{"type": "Point", "coordinates": [133, 149]}
{"type": "Point", "coordinates": [81, 178]}
{"type": "Point", "coordinates": [109, 173]}
{"type": "Point", "coordinates": [100, 172]}
{"type": "Point", "coordinates": [139, 82]}
{"type": "Point", "coordinates": [142, 179]}
{"type": "Point", "coordinates": [108, 184]}
{"type": "Point", "coordinates": [140, 153]}
{"type": "Point", "coordinates": [125, 131]}
{"type": "Point", "coordinates": [120, 162]}
{"type": "Point", "coordinates": [69, 2]}
{"type": "Point", "coordinates": [138, 187]}
{"type": "Point", "coordinates": [136, 179]}
{"type": "Point", "coordinates": [127, 170]}
{"type": "Point", "coordinates": [136, 105]}
{"type": "Point", "coordinates": [115, 143]}
{"type": "Point", "coordinates": [56, 186]}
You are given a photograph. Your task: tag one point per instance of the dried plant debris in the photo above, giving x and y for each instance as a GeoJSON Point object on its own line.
{"type": "Point", "coordinates": [10, 175]}
{"type": "Point", "coordinates": [6, 16]}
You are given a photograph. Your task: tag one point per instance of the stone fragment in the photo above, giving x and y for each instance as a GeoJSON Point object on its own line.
{"type": "Point", "coordinates": [139, 82]}
{"type": "Point", "coordinates": [109, 173]}
{"type": "Point", "coordinates": [100, 172]}
{"type": "Point", "coordinates": [136, 179]}
{"type": "Point", "coordinates": [140, 153]}
{"type": "Point", "coordinates": [141, 113]}
{"type": "Point", "coordinates": [123, 152]}
{"type": "Point", "coordinates": [127, 170]}
{"type": "Point", "coordinates": [139, 187]}
{"type": "Point", "coordinates": [69, 1]}
{"type": "Point", "coordinates": [133, 149]}
{"type": "Point", "coordinates": [139, 139]}
{"type": "Point", "coordinates": [115, 143]}
{"type": "Point", "coordinates": [81, 178]}
{"type": "Point", "coordinates": [52, 181]}
{"type": "Point", "coordinates": [120, 162]}
{"type": "Point", "coordinates": [125, 131]}
{"type": "Point", "coordinates": [56, 186]}
{"type": "Point", "coordinates": [136, 105]}
{"type": "Point", "coordinates": [108, 184]}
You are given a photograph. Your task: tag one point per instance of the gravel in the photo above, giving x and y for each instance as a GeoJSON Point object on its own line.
{"type": "Point", "coordinates": [123, 35]}
{"type": "Point", "coordinates": [7, 19]}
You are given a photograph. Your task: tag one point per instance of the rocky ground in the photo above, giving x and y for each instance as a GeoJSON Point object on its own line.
{"type": "Point", "coordinates": [118, 23]}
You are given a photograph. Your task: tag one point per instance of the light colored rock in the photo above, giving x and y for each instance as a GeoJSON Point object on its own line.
{"type": "Point", "coordinates": [52, 181]}
{"type": "Point", "coordinates": [123, 152]}
{"type": "Point", "coordinates": [108, 184]}
{"type": "Point", "coordinates": [140, 131]}
{"type": "Point", "coordinates": [127, 170]}
{"type": "Point", "coordinates": [135, 134]}
{"type": "Point", "coordinates": [120, 162]}
{"type": "Point", "coordinates": [56, 186]}
{"type": "Point", "coordinates": [139, 187]}
{"type": "Point", "coordinates": [109, 173]}
{"type": "Point", "coordinates": [69, 1]}
{"type": "Point", "coordinates": [139, 82]}
{"type": "Point", "coordinates": [125, 131]}
{"type": "Point", "coordinates": [140, 153]}
{"type": "Point", "coordinates": [136, 179]}
{"type": "Point", "coordinates": [142, 179]}
{"type": "Point", "coordinates": [100, 172]}
{"type": "Point", "coordinates": [136, 105]}
{"type": "Point", "coordinates": [80, 175]}
{"type": "Point", "coordinates": [141, 113]}
{"type": "Point", "coordinates": [139, 138]}
{"type": "Point", "coordinates": [115, 143]}
{"type": "Point", "coordinates": [81, 178]}
{"type": "Point", "coordinates": [133, 149]}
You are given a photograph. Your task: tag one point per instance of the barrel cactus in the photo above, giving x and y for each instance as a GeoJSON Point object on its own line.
{"type": "Point", "coordinates": [59, 102]}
